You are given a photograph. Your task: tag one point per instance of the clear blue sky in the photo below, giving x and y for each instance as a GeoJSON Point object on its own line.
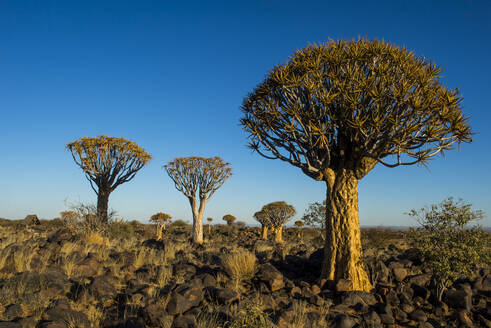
{"type": "Point", "coordinates": [171, 77]}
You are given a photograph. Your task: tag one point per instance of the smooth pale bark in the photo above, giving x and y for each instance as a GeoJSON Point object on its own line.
{"type": "Point", "coordinates": [278, 234]}
{"type": "Point", "coordinates": [197, 219]}
{"type": "Point", "coordinates": [343, 252]}
{"type": "Point", "coordinates": [102, 204]}
{"type": "Point", "coordinates": [264, 232]}
{"type": "Point", "coordinates": [159, 231]}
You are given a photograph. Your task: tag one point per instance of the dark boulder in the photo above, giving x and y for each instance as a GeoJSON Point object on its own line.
{"type": "Point", "coordinates": [271, 277]}
{"type": "Point", "coordinates": [183, 299]}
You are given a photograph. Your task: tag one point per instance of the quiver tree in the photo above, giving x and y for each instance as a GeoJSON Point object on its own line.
{"type": "Point", "coordinates": [160, 219]}
{"type": "Point", "coordinates": [278, 213]}
{"type": "Point", "coordinates": [263, 218]}
{"type": "Point", "coordinates": [337, 109]}
{"type": "Point", "coordinates": [107, 162]}
{"type": "Point", "coordinates": [229, 218]}
{"type": "Point", "coordinates": [299, 224]}
{"type": "Point", "coordinates": [198, 178]}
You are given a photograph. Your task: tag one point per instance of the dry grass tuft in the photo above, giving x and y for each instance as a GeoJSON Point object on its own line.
{"type": "Point", "coordinates": [240, 265]}
{"type": "Point", "coordinates": [95, 237]}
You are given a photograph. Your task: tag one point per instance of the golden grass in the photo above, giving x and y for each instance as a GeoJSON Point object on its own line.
{"type": "Point", "coordinates": [240, 265]}
{"type": "Point", "coordinates": [96, 238]}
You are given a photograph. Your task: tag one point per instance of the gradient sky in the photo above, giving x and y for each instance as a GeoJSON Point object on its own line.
{"type": "Point", "coordinates": [171, 77]}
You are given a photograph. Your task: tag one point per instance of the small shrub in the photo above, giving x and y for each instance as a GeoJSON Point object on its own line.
{"type": "Point", "coordinates": [240, 265]}
{"type": "Point", "coordinates": [450, 248]}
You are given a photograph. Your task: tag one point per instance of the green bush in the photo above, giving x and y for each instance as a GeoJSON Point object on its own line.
{"type": "Point", "coordinates": [451, 248]}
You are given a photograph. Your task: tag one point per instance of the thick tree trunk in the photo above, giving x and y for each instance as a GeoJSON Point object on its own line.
{"type": "Point", "coordinates": [264, 232]}
{"type": "Point", "coordinates": [343, 252]}
{"type": "Point", "coordinates": [102, 204]}
{"type": "Point", "coordinates": [197, 219]}
{"type": "Point", "coordinates": [159, 231]}
{"type": "Point", "coordinates": [278, 235]}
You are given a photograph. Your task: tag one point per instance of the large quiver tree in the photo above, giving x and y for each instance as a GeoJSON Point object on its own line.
{"type": "Point", "coordinates": [198, 178]}
{"type": "Point", "coordinates": [337, 109]}
{"type": "Point", "coordinates": [107, 162]}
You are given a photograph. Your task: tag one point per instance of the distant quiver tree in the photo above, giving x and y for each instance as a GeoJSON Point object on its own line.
{"type": "Point", "coordinates": [337, 109]}
{"type": "Point", "coordinates": [198, 178]}
{"type": "Point", "coordinates": [107, 162]}
{"type": "Point", "coordinates": [160, 219]}
{"type": "Point", "coordinates": [263, 218]}
{"type": "Point", "coordinates": [229, 218]}
{"type": "Point", "coordinates": [278, 214]}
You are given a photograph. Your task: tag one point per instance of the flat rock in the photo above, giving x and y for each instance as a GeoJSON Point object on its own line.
{"type": "Point", "coordinates": [271, 276]}
{"type": "Point", "coordinates": [183, 299]}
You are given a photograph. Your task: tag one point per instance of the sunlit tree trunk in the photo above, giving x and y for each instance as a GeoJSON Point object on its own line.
{"type": "Point", "coordinates": [159, 231]}
{"type": "Point", "coordinates": [264, 232]}
{"type": "Point", "coordinates": [102, 204]}
{"type": "Point", "coordinates": [197, 219]}
{"type": "Point", "coordinates": [278, 235]}
{"type": "Point", "coordinates": [343, 252]}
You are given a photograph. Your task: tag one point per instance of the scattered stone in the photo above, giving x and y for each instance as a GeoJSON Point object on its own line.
{"type": "Point", "coordinates": [343, 285]}
{"type": "Point", "coordinates": [458, 299]}
{"type": "Point", "coordinates": [183, 299]}
{"type": "Point", "coordinates": [418, 315]}
{"type": "Point", "coordinates": [154, 315]}
{"type": "Point", "coordinates": [271, 276]}
{"type": "Point", "coordinates": [12, 311]}
{"type": "Point", "coordinates": [464, 319]}
{"type": "Point", "coordinates": [399, 273]}
{"type": "Point", "coordinates": [344, 321]}
{"type": "Point", "coordinates": [61, 313]}
{"type": "Point", "coordinates": [103, 287]}
{"type": "Point", "coordinates": [185, 321]}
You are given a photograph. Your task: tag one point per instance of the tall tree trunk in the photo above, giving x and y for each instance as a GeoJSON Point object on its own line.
{"type": "Point", "coordinates": [197, 219]}
{"type": "Point", "coordinates": [342, 251]}
{"type": "Point", "coordinates": [102, 204]}
{"type": "Point", "coordinates": [278, 234]}
{"type": "Point", "coordinates": [264, 233]}
{"type": "Point", "coordinates": [159, 231]}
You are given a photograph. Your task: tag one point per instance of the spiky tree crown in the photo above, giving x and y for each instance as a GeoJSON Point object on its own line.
{"type": "Point", "coordinates": [108, 161]}
{"type": "Point", "coordinates": [200, 175]}
{"type": "Point", "coordinates": [263, 218]}
{"type": "Point", "coordinates": [299, 223]}
{"type": "Point", "coordinates": [229, 218]}
{"type": "Point", "coordinates": [278, 213]}
{"type": "Point", "coordinates": [160, 217]}
{"type": "Point", "coordinates": [352, 104]}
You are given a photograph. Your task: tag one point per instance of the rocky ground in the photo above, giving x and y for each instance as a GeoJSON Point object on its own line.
{"type": "Point", "coordinates": [52, 277]}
